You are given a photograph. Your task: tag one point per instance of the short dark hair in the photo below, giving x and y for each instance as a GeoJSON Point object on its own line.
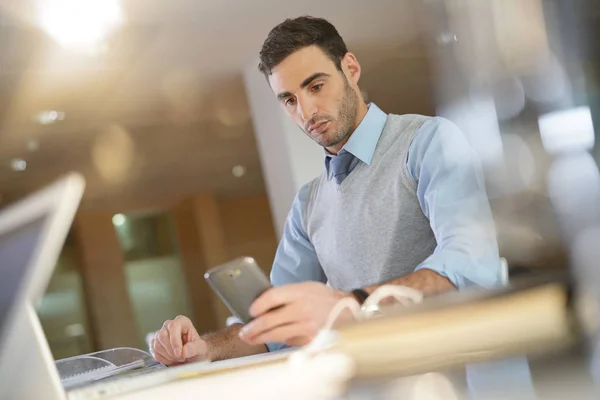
{"type": "Point", "coordinates": [294, 34]}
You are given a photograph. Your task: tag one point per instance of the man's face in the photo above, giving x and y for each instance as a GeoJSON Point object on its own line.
{"type": "Point", "coordinates": [316, 95]}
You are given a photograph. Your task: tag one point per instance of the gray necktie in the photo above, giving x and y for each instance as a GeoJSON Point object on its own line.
{"type": "Point", "coordinates": [340, 165]}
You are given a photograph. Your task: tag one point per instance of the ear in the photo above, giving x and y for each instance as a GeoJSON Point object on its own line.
{"type": "Point", "coordinates": [351, 68]}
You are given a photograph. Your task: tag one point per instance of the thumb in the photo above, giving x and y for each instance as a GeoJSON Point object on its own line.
{"type": "Point", "coordinates": [195, 349]}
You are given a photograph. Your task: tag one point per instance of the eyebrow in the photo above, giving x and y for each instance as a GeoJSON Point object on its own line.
{"type": "Point", "coordinates": [304, 83]}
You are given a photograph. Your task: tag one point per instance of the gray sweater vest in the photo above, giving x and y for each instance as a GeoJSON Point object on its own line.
{"type": "Point", "coordinates": [371, 229]}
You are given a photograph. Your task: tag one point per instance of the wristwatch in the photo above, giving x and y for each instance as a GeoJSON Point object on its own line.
{"type": "Point", "coordinates": [373, 310]}
{"type": "Point", "coordinates": [360, 295]}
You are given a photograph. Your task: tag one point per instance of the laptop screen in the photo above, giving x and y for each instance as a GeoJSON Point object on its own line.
{"type": "Point", "coordinates": [17, 248]}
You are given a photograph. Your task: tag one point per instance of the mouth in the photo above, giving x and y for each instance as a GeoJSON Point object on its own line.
{"type": "Point", "coordinates": [319, 127]}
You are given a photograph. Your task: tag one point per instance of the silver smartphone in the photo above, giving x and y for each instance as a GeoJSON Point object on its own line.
{"type": "Point", "coordinates": [238, 283]}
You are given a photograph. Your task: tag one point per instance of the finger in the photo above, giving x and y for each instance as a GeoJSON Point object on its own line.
{"type": "Point", "coordinates": [195, 350]}
{"type": "Point", "coordinates": [269, 321]}
{"type": "Point", "coordinates": [162, 337]}
{"type": "Point", "coordinates": [185, 323]}
{"type": "Point", "coordinates": [159, 349]}
{"type": "Point", "coordinates": [188, 331]}
{"type": "Point", "coordinates": [163, 360]}
{"type": "Point", "coordinates": [175, 337]}
{"type": "Point", "coordinates": [273, 298]}
{"type": "Point", "coordinates": [160, 354]}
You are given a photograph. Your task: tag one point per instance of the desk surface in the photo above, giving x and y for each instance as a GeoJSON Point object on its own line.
{"type": "Point", "coordinates": [271, 377]}
{"type": "Point", "coordinates": [268, 376]}
{"type": "Point", "coordinates": [246, 376]}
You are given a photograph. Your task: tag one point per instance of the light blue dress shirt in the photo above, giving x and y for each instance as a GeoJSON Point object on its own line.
{"type": "Point", "coordinates": [452, 196]}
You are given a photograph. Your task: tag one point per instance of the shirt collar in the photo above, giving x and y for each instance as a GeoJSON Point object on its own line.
{"type": "Point", "coordinates": [363, 141]}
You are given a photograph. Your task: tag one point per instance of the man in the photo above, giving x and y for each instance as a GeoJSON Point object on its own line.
{"type": "Point", "coordinates": [401, 201]}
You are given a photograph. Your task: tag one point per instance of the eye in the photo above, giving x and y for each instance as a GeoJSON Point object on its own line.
{"type": "Point", "coordinates": [290, 101]}
{"type": "Point", "coordinates": [316, 87]}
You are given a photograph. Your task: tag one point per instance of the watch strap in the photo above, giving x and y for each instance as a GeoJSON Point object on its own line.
{"type": "Point", "coordinates": [360, 294]}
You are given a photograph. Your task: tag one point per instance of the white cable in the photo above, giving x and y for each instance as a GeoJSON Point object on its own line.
{"type": "Point", "coordinates": [349, 303]}
{"type": "Point", "coordinates": [327, 336]}
{"type": "Point", "coordinates": [404, 295]}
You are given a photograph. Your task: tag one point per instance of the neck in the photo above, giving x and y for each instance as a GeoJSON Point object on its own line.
{"type": "Point", "coordinates": [360, 115]}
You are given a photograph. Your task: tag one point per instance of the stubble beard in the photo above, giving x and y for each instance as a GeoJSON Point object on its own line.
{"type": "Point", "coordinates": [348, 107]}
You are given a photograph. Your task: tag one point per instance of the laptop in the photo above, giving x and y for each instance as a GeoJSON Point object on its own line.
{"type": "Point", "coordinates": [32, 233]}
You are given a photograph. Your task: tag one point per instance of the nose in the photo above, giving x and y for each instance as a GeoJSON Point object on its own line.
{"type": "Point", "coordinates": [307, 108]}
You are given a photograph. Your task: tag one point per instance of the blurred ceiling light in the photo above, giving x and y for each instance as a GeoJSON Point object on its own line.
{"type": "Point", "coordinates": [446, 38]}
{"type": "Point", "coordinates": [567, 130]}
{"type": "Point", "coordinates": [18, 164]}
{"type": "Point", "coordinates": [74, 330]}
{"type": "Point", "coordinates": [33, 145]}
{"type": "Point", "coordinates": [238, 171]}
{"type": "Point", "coordinates": [119, 220]}
{"type": "Point", "coordinates": [80, 24]}
{"type": "Point", "coordinates": [48, 117]}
